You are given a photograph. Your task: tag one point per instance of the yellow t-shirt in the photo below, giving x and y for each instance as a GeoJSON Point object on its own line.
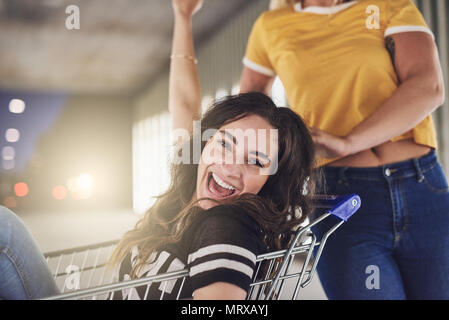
{"type": "Point", "coordinates": [333, 61]}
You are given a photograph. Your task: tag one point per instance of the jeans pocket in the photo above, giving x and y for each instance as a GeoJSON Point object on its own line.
{"type": "Point", "coordinates": [435, 180]}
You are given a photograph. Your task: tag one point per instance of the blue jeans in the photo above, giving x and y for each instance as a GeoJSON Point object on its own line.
{"type": "Point", "coordinates": [24, 273]}
{"type": "Point", "coordinates": [397, 245]}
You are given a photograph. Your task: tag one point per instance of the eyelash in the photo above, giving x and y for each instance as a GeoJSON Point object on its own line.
{"type": "Point", "coordinates": [259, 164]}
{"type": "Point", "coordinates": [225, 145]}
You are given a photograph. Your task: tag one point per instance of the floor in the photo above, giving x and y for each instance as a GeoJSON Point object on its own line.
{"type": "Point", "coordinates": [58, 231]}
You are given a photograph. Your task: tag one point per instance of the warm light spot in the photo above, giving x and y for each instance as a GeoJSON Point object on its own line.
{"type": "Point", "coordinates": [59, 192]}
{"type": "Point", "coordinates": [16, 106]}
{"type": "Point", "coordinates": [21, 189]}
{"type": "Point", "coordinates": [80, 187]}
{"type": "Point", "coordinates": [85, 194]}
{"type": "Point", "coordinates": [75, 195]}
{"type": "Point", "coordinates": [84, 182]}
{"type": "Point", "coordinates": [12, 135]}
{"type": "Point", "coordinates": [8, 153]}
{"type": "Point", "coordinates": [10, 202]}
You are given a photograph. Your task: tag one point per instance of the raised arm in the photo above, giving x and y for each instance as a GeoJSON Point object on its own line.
{"type": "Point", "coordinates": [184, 98]}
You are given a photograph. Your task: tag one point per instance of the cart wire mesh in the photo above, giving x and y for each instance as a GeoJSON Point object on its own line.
{"type": "Point", "coordinates": [81, 272]}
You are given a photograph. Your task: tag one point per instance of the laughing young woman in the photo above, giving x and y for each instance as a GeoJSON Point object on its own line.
{"type": "Point", "coordinates": [218, 214]}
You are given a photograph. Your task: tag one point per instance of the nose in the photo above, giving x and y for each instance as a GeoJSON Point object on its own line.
{"type": "Point", "coordinates": [232, 171]}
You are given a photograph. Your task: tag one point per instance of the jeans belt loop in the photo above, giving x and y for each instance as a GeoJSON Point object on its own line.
{"type": "Point", "coordinates": [341, 175]}
{"type": "Point", "coordinates": [418, 170]}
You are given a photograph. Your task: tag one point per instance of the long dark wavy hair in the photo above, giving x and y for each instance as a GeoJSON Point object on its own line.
{"type": "Point", "coordinates": [279, 207]}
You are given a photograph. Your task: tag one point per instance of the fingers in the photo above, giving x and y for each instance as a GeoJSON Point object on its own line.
{"type": "Point", "coordinates": [187, 7]}
{"type": "Point", "coordinates": [317, 135]}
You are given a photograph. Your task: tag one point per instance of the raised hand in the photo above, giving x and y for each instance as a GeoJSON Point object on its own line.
{"type": "Point", "coordinates": [186, 7]}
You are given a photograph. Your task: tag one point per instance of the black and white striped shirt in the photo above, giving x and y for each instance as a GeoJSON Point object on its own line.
{"type": "Point", "coordinates": [220, 245]}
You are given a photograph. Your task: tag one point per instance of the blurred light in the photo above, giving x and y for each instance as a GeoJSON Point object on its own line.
{"type": "Point", "coordinates": [221, 93]}
{"type": "Point", "coordinates": [235, 89]}
{"type": "Point", "coordinates": [59, 192]}
{"type": "Point", "coordinates": [12, 135]}
{"type": "Point", "coordinates": [10, 202]}
{"type": "Point", "coordinates": [8, 153]}
{"type": "Point", "coordinates": [84, 194]}
{"type": "Point", "coordinates": [84, 181]}
{"type": "Point", "coordinates": [8, 164]}
{"type": "Point", "coordinates": [206, 102]}
{"type": "Point", "coordinates": [151, 175]}
{"type": "Point", "coordinates": [75, 195]}
{"type": "Point", "coordinates": [21, 189]}
{"type": "Point", "coordinates": [16, 106]}
{"type": "Point", "coordinates": [81, 186]}
{"type": "Point", "coordinates": [278, 93]}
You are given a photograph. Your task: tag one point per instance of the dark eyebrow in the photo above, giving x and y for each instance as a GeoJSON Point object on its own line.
{"type": "Point", "coordinates": [230, 136]}
{"type": "Point", "coordinates": [256, 153]}
{"type": "Point", "coordinates": [261, 154]}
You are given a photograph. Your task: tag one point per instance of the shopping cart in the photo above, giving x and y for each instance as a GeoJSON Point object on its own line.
{"type": "Point", "coordinates": [81, 272]}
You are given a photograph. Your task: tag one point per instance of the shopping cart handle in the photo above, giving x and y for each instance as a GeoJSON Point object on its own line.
{"type": "Point", "coordinates": [342, 207]}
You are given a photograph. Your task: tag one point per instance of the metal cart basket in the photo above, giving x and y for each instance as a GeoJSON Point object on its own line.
{"type": "Point", "coordinates": [81, 272]}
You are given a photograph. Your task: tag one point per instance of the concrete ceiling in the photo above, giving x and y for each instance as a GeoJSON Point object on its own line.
{"type": "Point", "coordinates": [120, 47]}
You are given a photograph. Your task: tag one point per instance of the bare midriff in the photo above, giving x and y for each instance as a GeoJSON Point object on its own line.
{"type": "Point", "coordinates": [386, 153]}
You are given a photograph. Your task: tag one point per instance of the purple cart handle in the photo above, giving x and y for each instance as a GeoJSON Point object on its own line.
{"type": "Point", "coordinates": [342, 207]}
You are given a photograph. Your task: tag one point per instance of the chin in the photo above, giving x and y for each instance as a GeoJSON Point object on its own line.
{"type": "Point", "coordinates": [207, 204]}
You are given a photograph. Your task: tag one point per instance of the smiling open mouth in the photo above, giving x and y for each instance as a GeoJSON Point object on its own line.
{"type": "Point", "coordinates": [219, 188]}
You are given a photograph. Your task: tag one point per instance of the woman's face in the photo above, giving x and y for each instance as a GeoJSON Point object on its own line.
{"type": "Point", "coordinates": [237, 159]}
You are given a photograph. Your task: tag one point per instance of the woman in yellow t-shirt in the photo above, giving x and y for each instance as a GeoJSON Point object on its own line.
{"type": "Point", "coordinates": [365, 76]}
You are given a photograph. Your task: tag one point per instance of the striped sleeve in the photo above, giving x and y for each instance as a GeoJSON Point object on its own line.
{"type": "Point", "coordinates": [404, 16]}
{"type": "Point", "coordinates": [256, 55]}
{"type": "Point", "coordinates": [224, 248]}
